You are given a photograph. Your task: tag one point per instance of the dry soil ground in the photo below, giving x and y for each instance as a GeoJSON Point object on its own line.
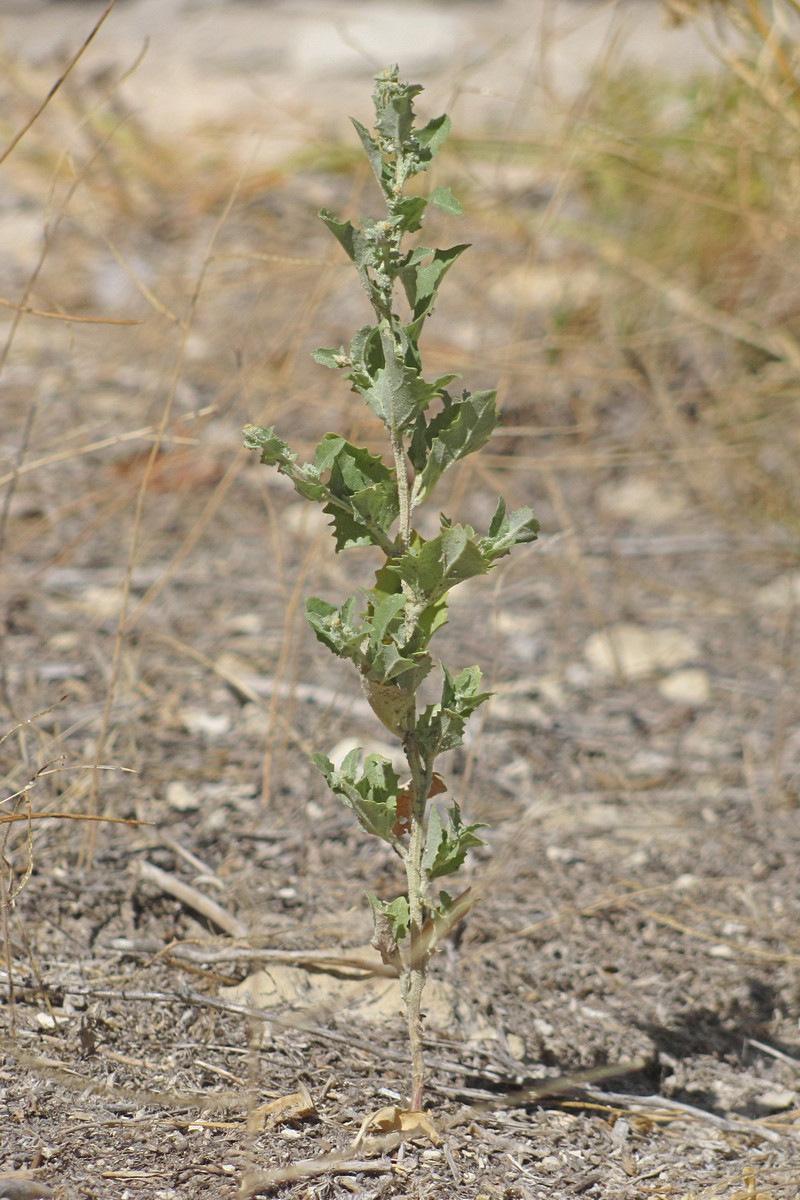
{"type": "Point", "coordinates": [639, 767]}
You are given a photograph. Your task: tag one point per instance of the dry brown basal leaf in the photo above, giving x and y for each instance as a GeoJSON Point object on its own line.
{"type": "Point", "coordinates": [409, 1122]}
{"type": "Point", "coordinates": [296, 1106]}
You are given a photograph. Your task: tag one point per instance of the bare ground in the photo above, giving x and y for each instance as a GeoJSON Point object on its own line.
{"type": "Point", "coordinates": [639, 768]}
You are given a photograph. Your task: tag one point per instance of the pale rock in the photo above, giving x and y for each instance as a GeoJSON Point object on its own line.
{"type": "Point", "coordinates": [637, 860]}
{"type": "Point", "coordinates": [551, 689]}
{"type": "Point", "coordinates": [690, 686]}
{"type": "Point", "coordinates": [254, 720]}
{"type": "Point", "coordinates": [217, 820]}
{"type": "Point", "coordinates": [516, 1046]}
{"type": "Point", "coordinates": [577, 676]}
{"type": "Point", "coordinates": [379, 34]}
{"type": "Point", "coordinates": [53, 671]}
{"type": "Point", "coordinates": [642, 500]}
{"type": "Point", "coordinates": [67, 639]}
{"type": "Point", "coordinates": [777, 1099]}
{"type": "Point", "coordinates": [638, 652]}
{"type": "Point", "coordinates": [249, 624]}
{"type": "Point", "coordinates": [180, 798]}
{"type": "Point", "coordinates": [205, 724]}
{"type": "Point", "coordinates": [112, 286]}
{"type": "Point", "coordinates": [781, 593]}
{"type": "Point", "coordinates": [562, 854]}
{"type": "Point", "coordinates": [21, 237]}
{"type": "Point", "coordinates": [376, 1001]}
{"type": "Point", "coordinates": [517, 710]}
{"type": "Point", "coordinates": [546, 288]}
{"type": "Point", "coordinates": [102, 603]}
{"type": "Point", "coordinates": [620, 1131]}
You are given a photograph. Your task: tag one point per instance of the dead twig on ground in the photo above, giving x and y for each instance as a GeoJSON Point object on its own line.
{"type": "Point", "coordinates": [194, 898]}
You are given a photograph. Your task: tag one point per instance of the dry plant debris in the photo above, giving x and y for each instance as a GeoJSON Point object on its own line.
{"type": "Point", "coordinates": [649, 825]}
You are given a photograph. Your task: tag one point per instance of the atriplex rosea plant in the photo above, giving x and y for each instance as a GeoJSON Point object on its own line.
{"type": "Point", "coordinates": [386, 631]}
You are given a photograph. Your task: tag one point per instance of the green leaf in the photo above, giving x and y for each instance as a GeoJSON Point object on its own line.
{"type": "Point", "coordinates": [396, 918]}
{"type": "Point", "coordinates": [276, 453]}
{"type": "Point", "coordinates": [354, 244]}
{"type": "Point", "coordinates": [434, 837]}
{"type": "Point", "coordinates": [352, 468]}
{"type": "Point", "coordinates": [366, 357]}
{"type": "Point", "coordinates": [446, 848]}
{"type": "Point", "coordinates": [335, 628]}
{"type": "Point", "coordinates": [432, 617]}
{"type": "Point", "coordinates": [443, 199]}
{"type": "Point", "coordinates": [431, 136]}
{"type": "Point", "coordinates": [441, 726]}
{"type": "Point", "coordinates": [462, 427]}
{"type": "Point", "coordinates": [394, 106]}
{"type": "Point", "coordinates": [387, 663]}
{"type": "Point", "coordinates": [369, 789]}
{"type": "Point", "coordinates": [506, 532]}
{"type": "Point", "coordinates": [377, 508]}
{"type": "Point", "coordinates": [331, 358]}
{"type": "Point", "coordinates": [373, 153]}
{"type": "Point", "coordinates": [397, 393]}
{"type": "Point", "coordinates": [364, 501]}
{"type": "Point", "coordinates": [441, 563]}
{"type": "Point", "coordinates": [384, 615]}
{"type": "Point", "coordinates": [461, 558]}
{"type": "Point", "coordinates": [349, 238]}
{"type": "Point", "coordinates": [421, 278]}
{"type": "Point", "coordinates": [410, 210]}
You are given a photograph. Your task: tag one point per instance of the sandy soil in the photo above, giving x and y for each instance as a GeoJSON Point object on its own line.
{"type": "Point", "coordinates": [639, 767]}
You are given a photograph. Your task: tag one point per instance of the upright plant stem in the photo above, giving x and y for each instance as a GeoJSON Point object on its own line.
{"type": "Point", "coordinates": [416, 968]}
{"type": "Point", "coordinates": [413, 980]}
{"type": "Point", "coordinates": [414, 975]}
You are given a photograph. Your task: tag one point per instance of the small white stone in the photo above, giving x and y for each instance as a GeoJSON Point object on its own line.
{"type": "Point", "coordinates": [550, 1163]}
{"type": "Point", "coordinates": [777, 1099]}
{"type": "Point", "coordinates": [642, 500]}
{"type": "Point", "coordinates": [782, 592]}
{"type": "Point", "coordinates": [638, 652]}
{"type": "Point", "coordinates": [247, 623]}
{"type": "Point", "coordinates": [562, 854]}
{"type": "Point", "coordinates": [217, 820]}
{"type": "Point", "coordinates": [620, 1131]}
{"type": "Point", "coordinates": [181, 798]}
{"type": "Point", "coordinates": [516, 1046]}
{"type": "Point", "coordinates": [690, 686]}
{"type": "Point", "coordinates": [546, 287]}
{"type": "Point", "coordinates": [102, 603]}
{"type": "Point", "coordinates": [203, 723]}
